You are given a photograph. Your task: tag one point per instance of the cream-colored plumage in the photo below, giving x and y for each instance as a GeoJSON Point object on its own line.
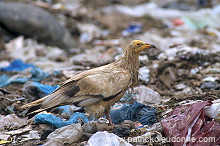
{"type": "Point", "coordinates": [97, 89]}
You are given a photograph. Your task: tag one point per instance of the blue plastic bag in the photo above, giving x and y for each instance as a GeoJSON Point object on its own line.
{"type": "Point", "coordinates": [17, 65]}
{"type": "Point", "coordinates": [134, 112]}
{"type": "Point", "coordinates": [58, 122]}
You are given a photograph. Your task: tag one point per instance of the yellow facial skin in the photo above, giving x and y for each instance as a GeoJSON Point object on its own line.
{"type": "Point", "coordinates": [139, 46]}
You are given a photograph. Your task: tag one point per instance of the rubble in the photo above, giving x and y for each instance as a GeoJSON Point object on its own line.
{"type": "Point", "coordinates": [176, 101]}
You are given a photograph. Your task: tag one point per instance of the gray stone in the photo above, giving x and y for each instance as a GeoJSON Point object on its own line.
{"type": "Point", "coordinates": [31, 21]}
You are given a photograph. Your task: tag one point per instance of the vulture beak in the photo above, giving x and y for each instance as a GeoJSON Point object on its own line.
{"type": "Point", "coordinates": [147, 46]}
{"type": "Point", "coordinates": [153, 47]}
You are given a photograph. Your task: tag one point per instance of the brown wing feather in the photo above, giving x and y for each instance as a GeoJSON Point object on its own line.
{"type": "Point", "coordinates": [87, 88]}
{"type": "Point", "coordinates": [91, 86]}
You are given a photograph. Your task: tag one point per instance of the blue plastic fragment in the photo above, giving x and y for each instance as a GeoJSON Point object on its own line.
{"type": "Point", "coordinates": [132, 29]}
{"type": "Point", "coordinates": [3, 80]}
{"type": "Point", "coordinates": [38, 75]}
{"type": "Point", "coordinates": [47, 89]}
{"type": "Point", "coordinates": [65, 109]}
{"type": "Point", "coordinates": [56, 72]}
{"type": "Point", "coordinates": [17, 65]}
{"type": "Point", "coordinates": [58, 122]}
{"type": "Point", "coordinates": [6, 80]}
{"type": "Point", "coordinates": [134, 112]}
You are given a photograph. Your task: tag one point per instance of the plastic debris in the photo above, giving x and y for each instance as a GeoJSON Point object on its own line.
{"type": "Point", "coordinates": [11, 122]}
{"type": "Point", "coordinates": [65, 135]}
{"type": "Point", "coordinates": [134, 112]}
{"type": "Point", "coordinates": [19, 131]}
{"type": "Point", "coordinates": [146, 95]}
{"type": "Point", "coordinates": [107, 139]}
{"type": "Point", "coordinates": [94, 57]}
{"type": "Point", "coordinates": [194, 20]}
{"type": "Point", "coordinates": [182, 71]}
{"type": "Point", "coordinates": [212, 111]}
{"type": "Point", "coordinates": [188, 123]}
{"type": "Point", "coordinates": [37, 90]}
{"type": "Point", "coordinates": [211, 71]}
{"type": "Point", "coordinates": [5, 80]}
{"type": "Point", "coordinates": [106, 42]}
{"type": "Point", "coordinates": [210, 79]}
{"type": "Point", "coordinates": [144, 74]}
{"type": "Point", "coordinates": [210, 85]}
{"type": "Point", "coordinates": [38, 74]}
{"type": "Point", "coordinates": [89, 32]}
{"type": "Point", "coordinates": [33, 134]}
{"type": "Point", "coordinates": [17, 65]}
{"type": "Point", "coordinates": [58, 122]}
{"type": "Point", "coordinates": [132, 29]}
{"type": "Point", "coordinates": [4, 63]}
{"type": "Point", "coordinates": [143, 95]}
{"type": "Point", "coordinates": [4, 139]}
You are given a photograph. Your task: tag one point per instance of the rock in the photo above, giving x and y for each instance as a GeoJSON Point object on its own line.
{"type": "Point", "coordinates": [34, 22]}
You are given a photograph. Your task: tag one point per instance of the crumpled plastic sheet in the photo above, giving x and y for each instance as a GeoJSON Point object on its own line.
{"type": "Point", "coordinates": [107, 139]}
{"type": "Point", "coordinates": [134, 112]}
{"type": "Point", "coordinates": [187, 125]}
{"type": "Point", "coordinates": [17, 65]}
{"type": "Point", "coordinates": [58, 122]}
{"type": "Point", "coordinates": [11, 122]}
{"type": "Point", "coordinates": [65, 135]}
{"type": "Point", "coordinates": [146, 95]}
{"type": "Point", "coordinates": [47, 89]}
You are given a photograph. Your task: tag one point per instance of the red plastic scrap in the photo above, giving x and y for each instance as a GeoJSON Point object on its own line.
{"type": "Point", "coordinates": [187, 125]}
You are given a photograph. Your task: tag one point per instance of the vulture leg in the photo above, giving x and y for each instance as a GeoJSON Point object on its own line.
{"type": "Point", "coordinates": [107, 113]}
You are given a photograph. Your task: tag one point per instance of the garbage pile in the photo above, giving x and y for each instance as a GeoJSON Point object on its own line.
{"type": "Point", "coordinates": [176, 101]}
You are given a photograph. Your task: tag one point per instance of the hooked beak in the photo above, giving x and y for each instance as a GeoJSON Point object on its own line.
{"type": "Point", "coordinates": [153, 47]}
{"type": "Point", "coordinates": [149, 46]}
